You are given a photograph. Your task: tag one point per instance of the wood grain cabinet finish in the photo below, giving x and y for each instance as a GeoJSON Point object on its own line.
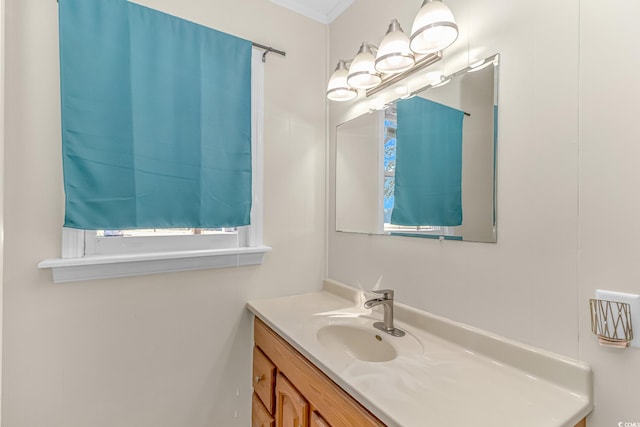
{"type": "Point", "coordinates": [335, 406]}
{"type": "Point", "coordinates": [317, 420]}
{"type": "Point", "coordinates": [264, 377]}
{"type": "Point", "coordinates": [260, 417]}
{"type": "Point", "coordinates": [292, 410]}
{"type": "Point", "coordinates": [306, 394]}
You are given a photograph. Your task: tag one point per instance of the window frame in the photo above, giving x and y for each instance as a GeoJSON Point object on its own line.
{"type": "Point", "coordinates": [113, 245]}
{"type": "Point", "coordinates": [79, 260]}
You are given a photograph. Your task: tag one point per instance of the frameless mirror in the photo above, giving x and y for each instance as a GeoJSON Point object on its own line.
{"type": "Point", "coordinates": [426, 165]}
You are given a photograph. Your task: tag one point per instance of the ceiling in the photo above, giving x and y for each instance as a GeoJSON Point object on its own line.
{"type": "Point", "coordinates": [324, 11]}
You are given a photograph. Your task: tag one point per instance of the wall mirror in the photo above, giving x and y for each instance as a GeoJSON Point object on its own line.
{"type": "Point", "coordinates": [425, 166]}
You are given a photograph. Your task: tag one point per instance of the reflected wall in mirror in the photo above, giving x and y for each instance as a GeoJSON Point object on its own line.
{"type": "Point", "coordinates": [426, 165]}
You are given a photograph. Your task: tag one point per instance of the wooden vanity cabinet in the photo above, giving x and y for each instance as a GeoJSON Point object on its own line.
{"type": "Point", "coordinates": [303, 396]}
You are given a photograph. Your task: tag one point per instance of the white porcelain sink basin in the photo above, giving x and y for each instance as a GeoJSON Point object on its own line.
{"type": "Point", "coordinates": [362, 344]}
{"type": "Point", "coordinates": [349, 338]}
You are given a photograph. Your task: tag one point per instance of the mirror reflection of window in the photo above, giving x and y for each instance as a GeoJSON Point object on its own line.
{"type": "Point", "coordinates": [428, 177]}
{"type": "Point", "coordinates": [474, 93]}
{"type": "Point", "coordinates": [390, 124]}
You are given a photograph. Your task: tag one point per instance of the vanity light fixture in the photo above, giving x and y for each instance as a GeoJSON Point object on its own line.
{"type": "Point", "coordinates": [434, 28]}
{"type": "Point", "coordinates": [338, 89]}
{"type": "Point", "coordinates": [394, 55]}
{"type": "Point", "coordinates": [398, 56]}
{"type": "Point", "coordinates": [362, 72]}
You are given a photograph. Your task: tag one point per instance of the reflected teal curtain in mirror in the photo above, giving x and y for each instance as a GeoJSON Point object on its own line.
{"type": "Point", "coordinates": [156, 119]}
{"type": "Point", "coordinates": [428, 176]}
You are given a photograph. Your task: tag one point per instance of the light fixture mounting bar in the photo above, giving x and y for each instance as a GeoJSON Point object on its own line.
{"type": "Point", "coordinates": [424, 62]}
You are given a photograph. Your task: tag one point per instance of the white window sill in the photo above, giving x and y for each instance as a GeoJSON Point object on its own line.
{"type": "Point", "coordinates": [106, 266]}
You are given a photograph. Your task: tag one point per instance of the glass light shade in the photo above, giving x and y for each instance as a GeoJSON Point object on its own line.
{"type": "Point", "coordinates": [434, 28]}
{"type": "Point", "coordinates": [394, 55]}
{"type": "Point", "coordinates": [362, 73]}
{"type": "Point", "coordinates": [338, 89]}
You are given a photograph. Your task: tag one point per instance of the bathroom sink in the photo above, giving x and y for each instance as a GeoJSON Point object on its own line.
{"type": "Point", "coordinates": [366, 345]}
{"type": "Point", "coordinates": [355, 338]}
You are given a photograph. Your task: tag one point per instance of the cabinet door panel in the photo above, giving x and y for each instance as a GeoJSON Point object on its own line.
{"type": "Point", "coordinates": [292, 410]}
{"type": "Point", "coordinates": [264, 376]}
{"type": "Point", "coordinates": [260, 417]}
{"type": "Point", "coordinates": [318, 421]}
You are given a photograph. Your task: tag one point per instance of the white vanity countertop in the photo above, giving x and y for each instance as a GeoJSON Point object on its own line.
{"type": "Point", "coordinates": [463, 377]}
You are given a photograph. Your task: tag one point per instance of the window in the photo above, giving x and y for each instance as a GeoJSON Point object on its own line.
{"type": "Point", "coordinates": [113, 242]}
{"type": "Point", "coordinates": [114, 253]}
{"type": "Point", "coordinates": [390, 125]}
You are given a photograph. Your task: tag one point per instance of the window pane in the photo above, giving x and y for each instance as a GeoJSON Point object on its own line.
{"type": "Point", "coordinates": [164, 232]}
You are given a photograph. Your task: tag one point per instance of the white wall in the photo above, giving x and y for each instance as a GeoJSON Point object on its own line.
{"type": "Point", "coordinates": [165, 350]}
{"type": "Point", "coordinates": [567, 183]}
{"type": "Point", "coordinates": [609, 179]}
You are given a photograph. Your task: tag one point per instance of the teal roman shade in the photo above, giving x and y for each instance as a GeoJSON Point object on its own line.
{"type": "Point", "coordinates": [428, 176]}
{"type": "Point", "coordinates": [156, 119]}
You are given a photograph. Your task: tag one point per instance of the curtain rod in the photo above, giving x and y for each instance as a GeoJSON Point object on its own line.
{"type": "Point", "coordinates": [268, 49]}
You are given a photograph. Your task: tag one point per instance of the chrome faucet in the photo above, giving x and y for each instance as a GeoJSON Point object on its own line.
{"type": "Point", "coordinates": [386, 300]}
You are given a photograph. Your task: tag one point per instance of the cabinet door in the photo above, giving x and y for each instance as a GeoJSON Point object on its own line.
{"type": "Point", "coordinates": [264, 376]}
{"type": "Point", "coordinates": [292, 410]}
{"type": "Point", "coordinates": [260, 417]}
{"type": "Point", "coordinates": [318, 421]}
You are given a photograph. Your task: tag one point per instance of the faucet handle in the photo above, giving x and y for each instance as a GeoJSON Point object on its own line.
{"type": "Point", "coordinates": [386, 293]}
